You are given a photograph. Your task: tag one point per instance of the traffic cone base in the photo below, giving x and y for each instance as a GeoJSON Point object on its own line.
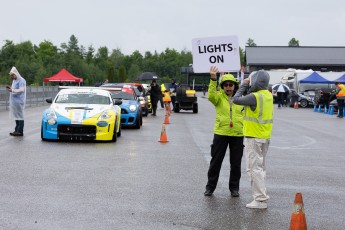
{"type": "Point", "coordinates": [166, 120]}
{"type": "Point", "coordinates": [315, 108]}
{"type": "Point", "coordinates": [331, 110]}
{"type": "Point", "coordinates": [295, 105]}
{"type": "Point", "coordinates": [298, 221]}
{"type": "Point", "coordinates": [163, 137]}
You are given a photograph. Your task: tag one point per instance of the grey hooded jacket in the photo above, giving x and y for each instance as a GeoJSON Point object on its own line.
{"type": "Point", "coordinates": [259, 81]}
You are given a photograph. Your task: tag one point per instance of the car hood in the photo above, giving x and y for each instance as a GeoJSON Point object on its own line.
{"type": "Point", "coordinates": [79, 112]}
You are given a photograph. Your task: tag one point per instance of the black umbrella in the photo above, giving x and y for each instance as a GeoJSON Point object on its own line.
{"type": "Point", "coordinates": [148, 76]}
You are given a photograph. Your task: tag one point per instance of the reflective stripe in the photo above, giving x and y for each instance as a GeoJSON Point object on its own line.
{"type": "Point", "coordinates": [259, 119]}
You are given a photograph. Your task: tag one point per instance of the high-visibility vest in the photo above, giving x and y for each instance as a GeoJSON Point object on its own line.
{"type": "Point", "coordinates": [259, 123]}
{"type": "Point", "coordinates": [166, 97]}
{"type": "Point", "coordinates": [163, 88]}
{"type": "Point", "coordinates": [341, 93]}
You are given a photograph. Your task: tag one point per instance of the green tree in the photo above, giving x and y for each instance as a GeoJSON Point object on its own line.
{"type": "Point", "coordinates": [293, 42]}
{"type": "Point", "coordinates": [111, 74]}
{"type": "Point", "coordinates": [122, 74]}
{"type": "Point", "coordinates": [250, 42]}
{"type": "Point", "coordinates": [73, 47]}
{"type": "Point", "coordinates": [90, 54]}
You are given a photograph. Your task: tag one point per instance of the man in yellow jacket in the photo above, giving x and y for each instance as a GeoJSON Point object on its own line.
{"type": "Point", "coordinates": [258, 122]}
{"type": "Point", "coordinates": [228, 132]}
{"type": "Point", "coordinates": [340, 93]}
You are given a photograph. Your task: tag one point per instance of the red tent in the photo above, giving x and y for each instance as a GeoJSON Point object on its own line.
{"type": "Point", "coordinates": [63, 76]}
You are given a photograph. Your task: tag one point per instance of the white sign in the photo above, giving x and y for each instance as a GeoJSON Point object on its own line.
{"type": "Point", "coordinates": [222, 52]}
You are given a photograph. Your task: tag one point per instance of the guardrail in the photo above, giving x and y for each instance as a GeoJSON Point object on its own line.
{"type": "Point", "coordinates": [35, 96]}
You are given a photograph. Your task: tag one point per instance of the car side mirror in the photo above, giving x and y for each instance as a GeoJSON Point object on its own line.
{"type": "Point", "coordinates": [117, 101]}
{"type": "Point", "coordinates": [49, 100]}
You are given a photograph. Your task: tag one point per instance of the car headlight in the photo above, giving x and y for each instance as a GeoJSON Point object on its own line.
{"type": "Point", "coordinates": [132, 108]}
{"type": "Point", "coordinates": [142, 102]}
{"type": "Point", "coordinates": [51, 114]}
{"type": "Point", "coordinates": [104, 115]}
{"type": "Point", "coordinates": [51, 117]}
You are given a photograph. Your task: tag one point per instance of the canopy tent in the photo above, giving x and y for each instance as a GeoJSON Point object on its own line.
{"type": "Point", "coordinates": [340, 79]}
{"type": "Point", "coordinates": [63, 76]}
{"type": "Point", "coordinates": [315, 78]}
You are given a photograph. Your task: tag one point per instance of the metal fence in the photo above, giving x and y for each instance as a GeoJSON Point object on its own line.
{"type": "Point", "coordinates": [35, 96]}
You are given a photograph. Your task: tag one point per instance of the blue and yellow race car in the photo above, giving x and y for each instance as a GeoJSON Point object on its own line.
{"type": "Point", "coordinates": [82, 114]}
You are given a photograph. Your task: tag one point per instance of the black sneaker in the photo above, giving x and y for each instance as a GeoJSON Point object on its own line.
{"type": "Point", "coordinates": [208, 192]}
{"type": "Point", "coordinates": [17, 134]}
{"type": "Point", "coordinates": [235, 193]}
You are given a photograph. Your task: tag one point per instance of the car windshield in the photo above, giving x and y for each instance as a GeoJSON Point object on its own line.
{"type": "Point", "coordinates": [82, 99]}
{"type": "Point", "coordinates": [122, 95]}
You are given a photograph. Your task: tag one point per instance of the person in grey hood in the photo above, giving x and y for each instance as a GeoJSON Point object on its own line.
{"type": "Point", "coordinates": [257, 130]}
{"type": "Point", "coordinates": [17, 100]}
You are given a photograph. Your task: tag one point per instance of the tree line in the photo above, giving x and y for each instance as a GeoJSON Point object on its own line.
{"type": "Point", "coordinates": [36, 62]}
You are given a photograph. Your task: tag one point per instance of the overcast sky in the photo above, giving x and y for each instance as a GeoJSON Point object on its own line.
{"type": "Point", "coordinates": [154, 25]}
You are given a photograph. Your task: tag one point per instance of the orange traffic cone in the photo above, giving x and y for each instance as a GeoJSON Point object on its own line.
{"type": "Point", "coordinates": [167, 109]}
{"type": "Point", "coordinates": [298, 221]}
{"type": "Point", "coordinates": [164, 137]}
{"type": "Point", "coordinates": [166, 119]}
{"type": "Point", "coordinates": [295, 106]}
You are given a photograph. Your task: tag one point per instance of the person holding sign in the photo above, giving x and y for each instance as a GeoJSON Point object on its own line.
{"type": "Point", "coordinates": [258, 122]}
{"type": "Point", "coordinates": [228, 132]}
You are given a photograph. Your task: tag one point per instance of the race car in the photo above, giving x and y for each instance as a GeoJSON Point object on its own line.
{"type": "Point", "coordinates": [131, 111]}
{"type": "Point", "coordinates": [82, 114]}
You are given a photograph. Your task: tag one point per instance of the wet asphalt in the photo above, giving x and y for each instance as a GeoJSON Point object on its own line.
{"type": "Point", "coordinates": [140, 183]}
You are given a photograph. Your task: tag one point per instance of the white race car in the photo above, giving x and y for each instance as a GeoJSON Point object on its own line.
{"type": "Point", "coordinates": [82, 114]}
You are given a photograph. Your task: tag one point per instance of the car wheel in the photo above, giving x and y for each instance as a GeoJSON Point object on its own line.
{"type": "Point", "coordinates": [177, 108]}
{"type": "Point", "coordinates": [114, 135]}
{"type": "Point", "coordinates": [119, 133]}
{"type": "Point", "coordinates": [146, 112]}
{"type": "Point", "coordinates": [141, 120]}
{"type": "Point", "coordinates": [137, 123]}
{"type": "Point", "coordinates": [303, 103]}
{"type": "Point", "coordinates": [195, 108]}
{"type": "Point", "coordinates": [43, 139]}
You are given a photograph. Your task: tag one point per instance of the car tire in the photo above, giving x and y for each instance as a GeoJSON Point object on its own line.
{"type": "Point", "coordinates": [43, 139]}
{"type": "Point", "coordinates": [114, 134]}
{"type": "Point", "coordinates": [177, 108]}
{"type": "Point", "coordinates": [195, 108]}
{"type": "Point", "coordinates": [137, 123]}
{"type": "Point", "coordinates": [119, 133]}
{"type": "Point", "coordinates": [303, 103]}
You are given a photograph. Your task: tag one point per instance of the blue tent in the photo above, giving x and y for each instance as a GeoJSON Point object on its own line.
{"type": "Point", "coordinates": [316, 79]}
{"type": "Point", "coordinates": [340, 79]}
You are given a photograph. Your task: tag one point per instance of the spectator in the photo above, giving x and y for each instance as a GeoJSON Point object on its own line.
{"type": "Point", "coordinates": [155, 93]}
{"type": "Point", "coordinates": [340, 94]}
{"type": "Point", "coordinates": [258, 122]}
{"type": "Point", "coordinates": [17, 101]}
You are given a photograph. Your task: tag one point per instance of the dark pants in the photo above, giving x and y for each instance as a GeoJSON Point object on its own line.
{"type": "Point", "coordinates": [154, 102]}
{"type": "Point", "coordinates": [340, 107]}
{"type": "Point", "coordinates": [161, 101]}
{"type": "Point", "coordinates": [280, 99]}
{"type": "Point", "coordinates": [19, 126]}
{"type": "Point", "coordinates": [173, 99]}
{"type": "Point", "coordinates": [218, 150]}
